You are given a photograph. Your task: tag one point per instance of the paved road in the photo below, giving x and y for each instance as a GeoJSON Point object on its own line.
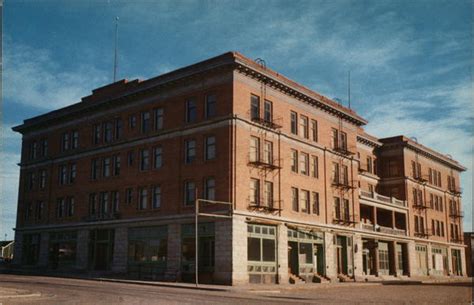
{"type": "Point", "coordinates": [48, 290]}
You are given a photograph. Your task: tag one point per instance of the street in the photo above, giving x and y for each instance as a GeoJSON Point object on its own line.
{"type": "Point", "coordinates": [15, 289]}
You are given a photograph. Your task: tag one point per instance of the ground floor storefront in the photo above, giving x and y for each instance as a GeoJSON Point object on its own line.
{"type": "Point", "coordinates": [235, 251]}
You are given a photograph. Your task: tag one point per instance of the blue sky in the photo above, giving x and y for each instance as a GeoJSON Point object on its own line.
{"type": "Point", "coordinates": [410, 61]}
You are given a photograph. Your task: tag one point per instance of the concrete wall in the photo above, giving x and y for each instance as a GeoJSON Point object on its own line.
{"type": "Point", "coordinates": [82, 249]}
{"type": "Point", "coordinates": [239, 253]}
{"type": "Point", "coordinates": [119, 261]}
{"type": "Point", "coordinates": [223, 252]}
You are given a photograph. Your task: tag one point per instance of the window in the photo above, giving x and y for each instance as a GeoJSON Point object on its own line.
{"type": "Point", "coordinates": [130, 158]}
{"type": "Point", "coordinates": [305, 201]}
{"type": "Point", "coordinates": [268, 111]}
{"type": "Point", "coordinates": [44, 147]}
{"type": "Point", "coordinates": [97, 133]}
{"type": "Point", "coordinates": [39, 210]}
{"type": "Point", "coordinates": [156, 201]}
{"type": "Point", "coordinates": [31, 181]}
{"type": "Point", "coordinates": [33, 150]}
{"type": "Point", "coordinates": [254, 107]}
{"type": "Point", "coordinates": [106, 167]}
{"type": "Point", "coordinates": [95, 168]}
{"type": "Point", "coordinates": [417, 226]}
{"type": "Point", "coordinates": [294, 199]}
{"type": "Point", "coordinates": [268, 194]}
{"type": "Point", "coordinates": [118, 128]}
{"type": "Point", "coordinates": [304, 126]}
{"type": "Point", "coordinates": [294, 161]}
{"type": "Point", "coordinates": [337, 208]}
{"type": "Point", "coordinates": [129, 195]}
{"type": "Point", "coordinates": [72, 173]}
{"type": "Point", "coordinates": [191, 112]}
{"type": "Point", "coordinates": [304, 164]}
{"type": "Point", "coordinates": [132, 122]}
{"type": "Point", "coordinates": [369, 164]}
{"type": "Point", "coordinates": [254, 191]}
{"type": "Point", "coordinates": [314, 167]}
{"type": "Point", "coordinates": [92, 204]}
{"type": "Point", "coordinates": [345, 175]}
{"type": "Point", "coordinates": [143, 200]}
{"type": "Point", "coordinates": [115, 201]}
{"type": "Point", "coordinates": [108, 132]}
{"type": "Point", "coordinates": [294, 122]}
{"type": "Point", "coordinates": [335, 173]}
{"type": "Point", "coordinates": [104, 203]}
{"type": "Point", "coordinates": [334, 138]}
{"type": "Point", "coordinates": [145, 122]}
{"type": "Point", "coordinates": [314, 130]}
{"type": "Point", "coordinates": [75, 139]}
{"type": "Point", "coordinates": [343, 141]}
{"type": "Point", "coordinates": [70, 206]}
{"type": "Point", "coordinates": [62, 174]}
{"type": "Point", "coordinates": [42, 177]}
{"type": "Point", "coordinates": [190, 151]}
{"type": "Point", "coordinates": [60, 208]}
{"type": "Point", "coordinates": [315, 201]}
{"type": "Point", "coordinates": [210, 152]}
{"type": "Point", "coordinates": [158, 118]}
{"type": "Point", "coordinates": [189, 193]}
{"type": "Point", "coordinates": [65, 141]}
{"type": "Point", "coordinates": [393, 168]}
{"type": "Point", "coordinates": [116, 165]}
{"type": "Point", "coordinates": [157, 157]}
{"type": "Point", "coordinates": [268, 152]}
{"type": "Point", "coordinates": [254, 149]}
{"type": "Point", "coordinates": [210, 189]}
{"type": "Point", "coordinates": [210, 105]}
{"type": "Point", "coordinates": [144, 159]}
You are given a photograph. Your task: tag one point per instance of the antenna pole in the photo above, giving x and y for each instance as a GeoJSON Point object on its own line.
{"type": "Point", "coordinates": [349, 87]}
{"type": "Point", "coordinates": [116, 46]}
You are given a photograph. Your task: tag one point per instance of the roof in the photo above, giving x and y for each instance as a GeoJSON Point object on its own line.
{"type": "Point", "coordinates": [5, 243]}
{"type": "Point", "coordinates": [417, 147]}
{"type": "Point", "coordinates": [124, 89]}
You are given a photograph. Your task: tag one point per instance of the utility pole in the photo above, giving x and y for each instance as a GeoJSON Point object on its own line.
{"type": "Point", "coordinates": [116, 47]}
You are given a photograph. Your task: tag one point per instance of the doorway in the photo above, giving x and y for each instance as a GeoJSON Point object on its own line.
{"type": "Point", "coordinates": [293, 260]}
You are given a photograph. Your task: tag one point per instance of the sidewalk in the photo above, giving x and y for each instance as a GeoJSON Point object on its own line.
{"type": "Point", "coordinates": [9, 293]}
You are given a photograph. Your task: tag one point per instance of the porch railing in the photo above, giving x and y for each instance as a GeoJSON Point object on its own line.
{"type": "Point", "coordinates": [382, 198]}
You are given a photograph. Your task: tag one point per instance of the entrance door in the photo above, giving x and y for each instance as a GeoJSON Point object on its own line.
{"type": "Point", "coordinates": [101, 256]}
{"type": "Point", "coordinates": [341, 255]}
{"type": "Point", "coordinates": [318, 259]}
{"type": "Point", "coordinates": [293, 263]}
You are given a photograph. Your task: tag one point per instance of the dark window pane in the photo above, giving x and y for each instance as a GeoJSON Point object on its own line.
{"type": "Point", "coordinates": [253, 250]}
{"type": "Point", "coordinates": [268, 250]}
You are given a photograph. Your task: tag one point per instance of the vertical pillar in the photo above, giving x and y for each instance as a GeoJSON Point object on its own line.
{"type": "Point", "coordinates": [413, 268]}
{"type": "Point", "coordinates": [463, 261]}
{"type": "Point", "coordinates": [375, 215]}
{"type": "Point", "coordinates": [450, 262]}
{"type": "Point", "coordinates": [82, 249]}
{"type": "Point", "coordinates": [376, 257]}
{"type": "Point", "coordinates": [282, 244]}
{"type": "Point", "coordinates": [358, 250]}
{"type": "Point", "coordinates": [119, 261]}
{"type": "Point", "coordinates": [43, 249]}
{"type": "Point", "coordinates": [330, 254]}
{"type": "Point", "coordinates": [394, 258]}
{"type": "Point", "coordinates": [18, 248]}
{"type": "Point", "coordinates": [430, 259]}
{"type": "Point", "coordinates": [223, 252]}
{"type": "Point", "coordinates": [239, 251]}
{"type": "Point", "coordinates": [393, 219]}
{"type": "Point", "coordinates": [173, 261]}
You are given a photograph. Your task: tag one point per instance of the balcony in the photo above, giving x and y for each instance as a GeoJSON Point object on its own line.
{"type": "Point", "coordinates": [457, 240]}
{"type": "Point", "coordinates": [269, 123]}
{"type": "Point", "coordinates": [456, 190]}
{"type": "Point", "coordinates": [270, 164]}
{"type": "Point", "coordinates": [424, 233]}
{"type": "Point", "coordinates": [420, 178]}
{"type": "Point", "coordinates": [343, 218]}
{"type": "Point", "coordinates": [393, 231]}
{"type": "Point", "coordinates": [382, 198]}
{"type": "Point", "coordinates": [102, 217]}
{"type": "Point", "coordinates": [342, 184]}
{"type": "Point", "coordinates": [343, 150]}
{"type": "Point", "coordinates": [420, 205]}
{"type": "Point", "coordinates": [264, 205]}
{"type": "Point", "coordinates": [456, 214]}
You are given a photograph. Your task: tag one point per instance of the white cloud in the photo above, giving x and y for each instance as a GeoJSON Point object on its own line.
{"type": "Point", "coordinates": [32, 77]}
{"type": "Point", "coordinates": [450, 133]}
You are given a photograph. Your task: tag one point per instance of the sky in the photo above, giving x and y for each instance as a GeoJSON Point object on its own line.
{"type": "Point", "coordinates": [410, 61]}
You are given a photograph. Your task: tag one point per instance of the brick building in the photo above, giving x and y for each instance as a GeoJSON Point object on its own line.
{"type": "Point", "coordinates": [110, 184]}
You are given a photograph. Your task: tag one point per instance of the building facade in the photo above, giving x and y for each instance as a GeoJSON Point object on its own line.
{"type": "Point", "coordinates": [110, 184]}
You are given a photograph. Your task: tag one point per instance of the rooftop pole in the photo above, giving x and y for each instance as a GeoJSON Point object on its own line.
{"type": "Point", "coordinates": [116, 46]}
{"type": "Point", "coordinates": [349, 87]}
